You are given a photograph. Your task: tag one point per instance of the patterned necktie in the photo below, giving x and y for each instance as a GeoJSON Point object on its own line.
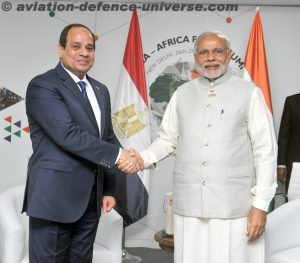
{"type": "Point", "coordinates": [82, 85]}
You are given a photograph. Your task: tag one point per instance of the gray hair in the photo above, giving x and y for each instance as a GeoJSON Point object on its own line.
{"type": "Point", "coordinates": [209, 33]}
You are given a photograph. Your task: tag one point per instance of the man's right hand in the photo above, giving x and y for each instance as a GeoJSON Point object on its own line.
{"type": "Point", "coordinates": [130, 161]}
{"type": "Point", "coordinates": [281, 174]}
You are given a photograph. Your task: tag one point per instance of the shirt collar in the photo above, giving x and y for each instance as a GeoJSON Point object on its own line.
{"type": "Point", "coordinates": [74, 77]}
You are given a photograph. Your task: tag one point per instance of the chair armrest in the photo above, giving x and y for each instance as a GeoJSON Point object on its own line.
{"type": "Point", "coordinates": [110, 231]}
{"type": "Point", "coordinates": [12, 232]}
{"type": "Point", "coordinates": [282, 229]}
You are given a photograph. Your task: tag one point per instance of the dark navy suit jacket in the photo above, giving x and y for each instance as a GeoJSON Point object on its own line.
{"type": "Point", "coordinates": [289, 134]}
{"type": "Point", "coordinates": [68, 154]}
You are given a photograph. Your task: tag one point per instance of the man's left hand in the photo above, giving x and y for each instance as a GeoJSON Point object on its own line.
{"type": "Point", "coordinates": [256, 223]}
{"type": "Point", "coordinates": [108, 202]}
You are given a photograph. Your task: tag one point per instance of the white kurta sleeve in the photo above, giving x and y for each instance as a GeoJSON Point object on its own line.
{"type": "Point", "coordinates": [264, 147]}
{"type": "Point", "coordinates": [167, 136]}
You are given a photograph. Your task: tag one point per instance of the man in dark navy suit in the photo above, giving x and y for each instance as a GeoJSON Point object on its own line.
{"type": "Point", "coordinates": [289, 139]}
{"type": "Point", "coordinates": [70, 173]}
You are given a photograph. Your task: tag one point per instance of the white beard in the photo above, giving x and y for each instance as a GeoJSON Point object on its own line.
{"type": "Point", "coordinates": [213, 75]}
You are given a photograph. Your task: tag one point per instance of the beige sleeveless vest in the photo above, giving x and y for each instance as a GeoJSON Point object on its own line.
{"type": "Point", "coordinates": [214, 169]}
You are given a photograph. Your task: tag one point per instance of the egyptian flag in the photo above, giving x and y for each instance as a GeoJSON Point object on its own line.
{"type": "Point", "coordinates": [131, 126]}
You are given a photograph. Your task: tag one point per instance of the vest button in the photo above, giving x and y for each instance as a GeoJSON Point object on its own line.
{"type": "Point", "coordinates": [208, 105]}
{"type": "Point", "coordinates": [203, 183]}
{"type": "Point", "coordinates": [204, 163]}
{"type": "Point", "coordinates": [206, 144]}
{"type": "Point", "coordinates": [208, 125]}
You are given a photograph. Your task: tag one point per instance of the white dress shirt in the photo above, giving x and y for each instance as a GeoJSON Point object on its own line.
{"type": "Point", "coordinates": [91, 95]}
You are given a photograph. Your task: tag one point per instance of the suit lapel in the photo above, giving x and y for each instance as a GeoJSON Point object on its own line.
{"type": "Point", "coordinates": [69, 83]}
{"type": "Point", "coordinates": [101, 101]}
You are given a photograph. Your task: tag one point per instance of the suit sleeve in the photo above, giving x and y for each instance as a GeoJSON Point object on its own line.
{"type": "Point", "coordinates": [109, 183]}
{"type": "Point", "coordinates": [284, 132]}
{"type": "Point", "coordinates": [46, 107]}
{"type": "Point", "coordinates": [109, 174]}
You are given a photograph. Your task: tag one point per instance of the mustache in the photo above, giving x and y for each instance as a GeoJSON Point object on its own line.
{"type": "Point", "coordinates": [211, 64]}
{"type": "Point", "coordinates": [203, 70]}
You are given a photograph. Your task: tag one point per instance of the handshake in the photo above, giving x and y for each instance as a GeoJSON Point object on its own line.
{"type": "Point", "coordinates": [130, 161]}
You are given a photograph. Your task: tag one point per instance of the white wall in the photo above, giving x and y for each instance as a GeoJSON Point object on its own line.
{"type": "Point", "coordinates": [28, 48]}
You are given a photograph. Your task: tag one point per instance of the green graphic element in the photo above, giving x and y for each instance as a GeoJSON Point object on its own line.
{"type": "Point", "coordinates": [51, 14]}
{"type": "Point", "coordinates": [164, 86]}
{"type": "Point", "coordinates": [162, 89]}
{"type": "Point", "coordinates": [173, 76]}
{"type": "Point", "coordinates": [8, 128]}
{"type": "Point", "coordinates": [18, 133]}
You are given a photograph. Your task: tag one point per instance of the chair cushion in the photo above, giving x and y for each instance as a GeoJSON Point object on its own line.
{"type": "Point", "coordinates": [25, 260]}
{"type": "Point", "coordinates": [102, 254]}
{"type": "Point", "coordinates": [291, 255]}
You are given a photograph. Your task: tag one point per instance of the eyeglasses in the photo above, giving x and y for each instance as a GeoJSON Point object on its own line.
{"type": "Point", "coordinates": [218, 52]}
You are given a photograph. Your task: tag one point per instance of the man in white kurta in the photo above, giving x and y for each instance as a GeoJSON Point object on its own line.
{"type": "Point", "coordinates": [225, 167]}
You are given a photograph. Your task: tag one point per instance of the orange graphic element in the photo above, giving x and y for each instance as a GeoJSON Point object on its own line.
{"type": "Point", "coordinates": [194, 74]}
{"type": "Point", "coordinates": [228, 20]}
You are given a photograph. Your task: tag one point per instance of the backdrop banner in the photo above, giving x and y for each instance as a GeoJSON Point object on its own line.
{"type": "Point", "coordinates": [30, 31]}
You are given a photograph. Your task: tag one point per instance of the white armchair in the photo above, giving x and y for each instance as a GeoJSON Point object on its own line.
{"type": "Point", "coordinates": [14, 232]}
{"type": "Point", "coordinates": [108, 243]}
{"type": "Point", "coordinates": [282, 236]}
{"type": "Point", "coordinates": [294, 186]}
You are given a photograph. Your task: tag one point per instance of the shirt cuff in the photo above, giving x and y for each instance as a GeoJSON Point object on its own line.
{"type": "Point", "coordinates": [149, 159]}
{"type": "Point", "coordinates": [281, 166]}
{"type": "Point", "coordinates": [261, 204]}
{"type": "Point", "coordinates": [119, 154]}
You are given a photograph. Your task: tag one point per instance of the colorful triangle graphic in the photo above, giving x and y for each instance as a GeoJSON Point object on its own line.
{"type": "Point", "coordinates": [18, 124]}
{"type": "Point", "coordinates": [18, 133]}
{"type": "Point", "coordinates": [26, 129]}
{"type": "Point", "coordinates": [9, 119]}
{"type": "Point", "coordinates": [8, 128]}
{"type": "Point", "coordinates": [8, 138]}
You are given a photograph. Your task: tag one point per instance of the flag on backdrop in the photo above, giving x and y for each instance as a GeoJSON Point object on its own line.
{"type": "Point", "coordinates": [131, 125]}
{"type": "Point", "coordinates": [255, 64]}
